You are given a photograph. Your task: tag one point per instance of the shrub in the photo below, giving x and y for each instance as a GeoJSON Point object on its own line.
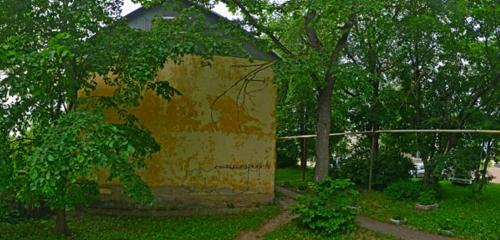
{"type": "Point", "coordinates": [404, 190]}
{"type": "Point", "coordinates": [427, 197]}
{"type": "Point", "coordinates": [6, 165]}
{"type": "Point", "coordinates": [288, 153]}
{"type": "Point", "coordinates": [328, 207]}
{"type": "Point", "coordinates": [10, 214]}
{"type": "Point", "coordinates": [389, 167]}
{"type": "Point", "coordinates": [6, 175]}
{"type": "Point", "coordinates": [4, 213]}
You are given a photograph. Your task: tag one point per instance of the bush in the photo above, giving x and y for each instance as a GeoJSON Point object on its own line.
{"type": "Point", "coordinates": [4, 213]}
{"type": "Point", "coordinates": [288, 153]}
{"type": "Point", "coordinates": [404, 190]}
{"type": "Point", "coordinates": [6, 176]}
{"type": "Point", "coordinates": [6, 166]}
{"type": "Point", "coordinates": [389, 167]}
{"type": "Point", "coordinates": [427, 197]}
{"type": "Point", "coordinates": [328, 207]}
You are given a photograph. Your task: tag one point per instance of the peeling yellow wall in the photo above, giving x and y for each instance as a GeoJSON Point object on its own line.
{"type": "Point", "coordinates": [212, 154]}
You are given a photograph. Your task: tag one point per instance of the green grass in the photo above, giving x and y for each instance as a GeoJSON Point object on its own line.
{"type": "Point", "coordinates": [473, 216]}
{"type": "Point", "coordinates": [292, 177]}
{"type": "Point", "coordinates": [221, 226]}
{"type": "Point", "coordinates": [292, 231]}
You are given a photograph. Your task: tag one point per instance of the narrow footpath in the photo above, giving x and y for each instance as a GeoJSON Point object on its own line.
{"type": "Point", "coordinates": [274, 223]}
{"type": "Point", "coordinates": [284, 218]}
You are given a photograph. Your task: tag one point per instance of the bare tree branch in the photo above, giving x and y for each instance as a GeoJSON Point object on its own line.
{"type": "Point", "coordinates": [244, 81]}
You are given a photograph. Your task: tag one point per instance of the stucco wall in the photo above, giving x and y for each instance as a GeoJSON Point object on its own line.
{"type": "Point", "coordinates": [216, 155]}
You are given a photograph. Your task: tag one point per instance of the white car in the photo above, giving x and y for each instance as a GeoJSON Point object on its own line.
{"type": "Point", "coordinates": [469, 177]}
{"type": "Point", "coordinates": [464, 178]}
{"type": "Point", "coordinates": [419, 170]}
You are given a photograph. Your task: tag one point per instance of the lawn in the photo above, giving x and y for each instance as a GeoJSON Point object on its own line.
{"type": "Point", "coordinates": [292, 231]}
{"type": "Point", "coordinates": [472, 216]}
{"type": "Point", "coordinates": [292, 177]}
{"type": "Point", "coordinates": [221, 226]}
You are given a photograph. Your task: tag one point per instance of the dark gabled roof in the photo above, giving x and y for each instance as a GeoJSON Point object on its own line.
{"type": "Point", "coordinates": [142, 17]}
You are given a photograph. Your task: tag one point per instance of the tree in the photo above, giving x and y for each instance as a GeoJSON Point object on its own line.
{"type": "Point", "coordinates": [52, 54]}
{"type": "Point", "coordinates": [422, 64]}
{"type": "Point", "coordinates": [63, 164]}
{"type": "Point", "coordinates": [309, 37]}
{"type": "Point", "coordinates": [370, 53]}
{"type": "Point", "coordinates": [296, 115]}
{"type": "Point", "coordinates": [446, 63]}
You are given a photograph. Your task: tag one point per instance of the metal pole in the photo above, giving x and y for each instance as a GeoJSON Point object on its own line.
{"type": "Point", "coordinates": [401, 131]}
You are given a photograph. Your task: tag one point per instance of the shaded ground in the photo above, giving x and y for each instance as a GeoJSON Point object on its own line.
{"type": "Point", "coordinates": [98, 227]}
{"type": "Point", "coordinates": [396, 230]}
{"type": "Point", "coordinates": [293, 231]}
{"type": "Point", "coordinates": [274, 223]}
{"type": "Point", "coordinates": [284, 218]}
{"type": "Point", "coordinates": [471, 215]}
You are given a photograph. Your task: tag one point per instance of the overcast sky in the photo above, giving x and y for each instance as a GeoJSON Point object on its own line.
{"type": "Point", "coordinates": [221, 9]}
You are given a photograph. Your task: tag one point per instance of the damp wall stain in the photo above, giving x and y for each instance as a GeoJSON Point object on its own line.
{"type": "Point", "coordinates": [213, 146]}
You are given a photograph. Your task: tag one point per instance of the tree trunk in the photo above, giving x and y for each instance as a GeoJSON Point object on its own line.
{"type": "Point", "coordinates": [427, 175]}
{"type": "Point", "coordinates": [323, 129]}
{"type": "Point", "coordinates": [373, 155]}
{"type": "Point", "coordinates": [429, 179]}
{"type": "Point", "coordinates": [374, 121]}
{"type": "Point", "coordinates": [303, 143]}
{"type": "Point", "coordinates": [484, 171]}
{"type": "Point", "coordinates": [428, 162]}
{"type": "Point", "coordinates": [61, 227]}
{"type": "Point", "coordinates": [450, 142]}
{"type": "Point", "coordinates": [374, 142]}
{"type": "Point", "coordinates": [303, 158]}
{"type": "Point", "coordinates": [374, 137]}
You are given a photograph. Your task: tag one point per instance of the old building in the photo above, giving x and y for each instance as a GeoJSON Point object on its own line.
{"type": "Point", "coordinates": [217, 151]}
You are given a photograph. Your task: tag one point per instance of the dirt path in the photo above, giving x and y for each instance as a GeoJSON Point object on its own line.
{"type": "Point", "coordinates": [281, 219]}
{"type": "Point", "coordinates": [368, 223]}
{"type": "Point", "coordinates": [395, 230]}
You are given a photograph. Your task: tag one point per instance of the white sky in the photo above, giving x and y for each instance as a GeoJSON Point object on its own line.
{"type": "Point", "coordinates": [220, 8]}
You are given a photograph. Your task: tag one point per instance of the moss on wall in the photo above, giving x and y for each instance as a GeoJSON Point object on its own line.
{"type": "Point", "coordinates": [215, 149]}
